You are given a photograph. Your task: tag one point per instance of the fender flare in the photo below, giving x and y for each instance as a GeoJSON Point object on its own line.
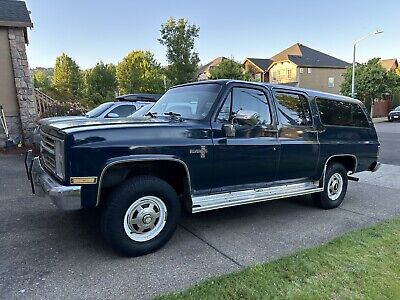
{"type": "Point", "coordinates": [322, 179]}
{"type": "Point", "coordinates": [139, 158]}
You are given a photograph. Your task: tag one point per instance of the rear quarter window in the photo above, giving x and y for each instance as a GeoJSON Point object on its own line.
{"type": "Point", "coordinates": [340, 113]}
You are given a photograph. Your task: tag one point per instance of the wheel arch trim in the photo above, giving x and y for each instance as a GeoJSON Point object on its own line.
{"type": "Point", "coordinates": [338, 155]}
{"type": "Point", "coordinates": [139, 158]}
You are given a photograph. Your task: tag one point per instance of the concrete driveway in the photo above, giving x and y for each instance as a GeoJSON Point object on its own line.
{"type": "Point", "coordinates": [46, 253]}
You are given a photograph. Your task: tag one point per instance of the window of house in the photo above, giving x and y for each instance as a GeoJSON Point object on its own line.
{"type": "Point", "coordinates": [301, 70]}
{"type": "Point", "coordinates": [309, 70]}
{"type": "Point", "coordinates": [245, 99]}
{"type": "Point", "coordinates": [341, 113]}
{"type": "Point", "coordinates": [289, 73]}
{"type": "Point", "coordinates": [275, 75]}
{"type": "Point", "coordinates": [293, 109]}
{"type": "Point", "coordinates": [331, 82]}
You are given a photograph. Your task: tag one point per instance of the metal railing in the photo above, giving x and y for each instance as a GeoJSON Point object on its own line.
{"type": "Point", "coordinates": [43, 102]}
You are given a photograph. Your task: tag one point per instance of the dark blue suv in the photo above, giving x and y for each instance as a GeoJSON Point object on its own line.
{"type": "Point", "coordinates": [204, 146]}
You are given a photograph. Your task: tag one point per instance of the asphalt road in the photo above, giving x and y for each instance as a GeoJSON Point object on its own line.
{"type": "Point", "coordinates": [389, 137]}
{"type": "Point", "coordinates": [45, 253]}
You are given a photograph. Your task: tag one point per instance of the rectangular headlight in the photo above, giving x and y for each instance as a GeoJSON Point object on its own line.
{"type": "Point", "coordinates": [59, 155]}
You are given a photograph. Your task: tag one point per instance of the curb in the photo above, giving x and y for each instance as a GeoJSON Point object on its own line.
{"type": "Point", "coordinates": [379, 120]}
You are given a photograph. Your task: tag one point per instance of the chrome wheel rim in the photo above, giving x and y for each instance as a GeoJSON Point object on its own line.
{"type": "Point", "coordinates": [145, 218]}
{"type": "Point", "coordinates": [335, 186]}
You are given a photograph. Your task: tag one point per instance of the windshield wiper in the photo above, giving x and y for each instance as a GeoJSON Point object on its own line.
{"type": "Point", "coordinates": [171, 113]}
{"type": "Point", "coordinates": [151, 114]}
{"type": "Point", "coordinates": [174, 115]}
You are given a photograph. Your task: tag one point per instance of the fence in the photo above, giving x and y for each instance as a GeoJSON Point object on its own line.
{"type": "Point", "coordinates": [381, 108]}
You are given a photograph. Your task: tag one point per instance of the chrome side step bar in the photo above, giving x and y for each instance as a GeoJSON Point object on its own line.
{"type": "Point", "coordinates": [221, 200]}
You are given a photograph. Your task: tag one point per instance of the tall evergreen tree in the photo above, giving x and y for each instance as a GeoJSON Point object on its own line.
{"type": "Point", "coordinates": [138, 72]}
{"type": "Point", "coordinates": [179, 36]}
{"type": "Point", "coordinates": [100, 82]}
{"type": "Point", "coordinates": [67, 77]}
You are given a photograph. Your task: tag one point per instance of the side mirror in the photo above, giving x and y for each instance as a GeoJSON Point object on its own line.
{"type": "Point", "coordinates": [113, 115]}
{"type": "Point", "coordinates": [247, 117]}
{"type": "Point", "coordinates": [229, 130]}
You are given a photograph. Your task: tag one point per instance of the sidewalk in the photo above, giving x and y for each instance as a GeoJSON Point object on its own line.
{"type": "Point", "coordinates": [379, 120]}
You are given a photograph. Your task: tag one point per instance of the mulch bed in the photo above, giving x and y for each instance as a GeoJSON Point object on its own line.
{"type": "Point", "coordinates": [18, 150]}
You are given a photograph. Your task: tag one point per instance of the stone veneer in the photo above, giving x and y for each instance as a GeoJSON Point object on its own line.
{"type": "Point", "coordinates": [14, 129]}
{"type": "Point", "coordinates": [24, 87]}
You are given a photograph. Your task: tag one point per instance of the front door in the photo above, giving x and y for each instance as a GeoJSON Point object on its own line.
{"type": "Point", "coordinates": [250, 157]}
{"type": "Point", "coordinates": [297, 136]}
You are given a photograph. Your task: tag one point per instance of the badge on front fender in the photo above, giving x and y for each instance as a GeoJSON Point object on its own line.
{"type": "Point", "coordinates": [202, 151]}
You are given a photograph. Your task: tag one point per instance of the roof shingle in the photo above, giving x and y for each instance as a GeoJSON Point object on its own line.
{"type": "Point", "coordinates": [262, 63]}
{"type": "Point", "coordinates": [14, 13]}
{"type": "Point", "coordinates": [304, 56]}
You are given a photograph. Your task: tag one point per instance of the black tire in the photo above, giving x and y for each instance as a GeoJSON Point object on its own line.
{"type": "Point", "coordinates": [325, 199]}
{"type": "Point", "coordinates": [122, 199]}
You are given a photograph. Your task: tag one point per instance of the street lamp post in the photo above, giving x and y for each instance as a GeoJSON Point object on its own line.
{"type": "Point", "coordinates": [353, 92]}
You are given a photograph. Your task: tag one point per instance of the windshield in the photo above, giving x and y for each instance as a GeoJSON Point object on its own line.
{"type": "Point", "coordinates": [141, 111]}
{"type": "Point", "coordinates": [397, 108]}
{"type": "Point", "coordinates": [189, 102]}
{"type": "Point", "coordinates": [95, 112]}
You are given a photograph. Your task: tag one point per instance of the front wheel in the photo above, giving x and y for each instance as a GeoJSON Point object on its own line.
{"type": "Point", "coordinates": [335, 187]}
{"type": "Point", "coordinates": [140, 215]}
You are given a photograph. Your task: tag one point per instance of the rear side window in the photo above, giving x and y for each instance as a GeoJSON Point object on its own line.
{"type": "Point", "coordinates": [341, 113]}
{"type": "Point", "coordinates": [293, 109]}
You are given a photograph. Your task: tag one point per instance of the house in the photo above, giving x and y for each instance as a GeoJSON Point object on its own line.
{"type": "Point", "coordinates": [305, 67]}
{"type": "Point", "coordinates": [256, 67]}
{"type": "Point", "coordinates": [204, 71]}
{"type": "Point", "coordinates": [389, 64]}
{"type": "Point", "coordinates": [16, 87]}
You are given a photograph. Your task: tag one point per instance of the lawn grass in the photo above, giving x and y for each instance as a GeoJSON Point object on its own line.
{"type": "Point", "coordinates": [364, 264]}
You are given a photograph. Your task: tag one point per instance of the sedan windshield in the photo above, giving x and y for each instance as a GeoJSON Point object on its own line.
{"type": "Point", "coordinates": [188, 102]}
{"type": "Point", "coordinates": [141, 111]}
{"type": "Point", "coordinates": [95, 112]}
{"type": "Point", "coordinates": [397, 108]}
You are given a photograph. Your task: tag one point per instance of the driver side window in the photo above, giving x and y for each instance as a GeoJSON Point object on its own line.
{"type": "Point", "coordinates": [245, 99]}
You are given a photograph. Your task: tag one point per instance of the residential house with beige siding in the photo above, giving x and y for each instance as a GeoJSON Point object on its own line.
{"type": "Point", "coordinates": [390, 64]}
{"type": "Point", "coordinates": [16, 87]}
{"type": "Point", "coordinates": [256, 68]}
{"type": "Point", "coordinates": [305, 67]}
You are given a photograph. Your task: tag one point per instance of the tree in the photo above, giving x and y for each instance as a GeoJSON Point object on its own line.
{"type": "Point", "coordinates": [139, 72]}
{"type": "Point", "coordinates": [178, 36]}
{"type": "Point", "coordinates": [67, 77]}
{"type": "Point", "coordinates": [40, 80]}
{"type": "Point", "coordinates": [100, 82]}
{"type": "Point", "coordinates": [229, 69]}
{"type": "Point", "coordinates": [372, 81]}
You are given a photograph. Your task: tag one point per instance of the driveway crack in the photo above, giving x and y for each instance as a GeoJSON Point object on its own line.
{"type": "Point", "coordinates": [361, 214]}
{"type": "Point", "coordinates": [213, 247]}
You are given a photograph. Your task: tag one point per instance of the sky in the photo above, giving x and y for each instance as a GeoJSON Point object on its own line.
{"type": "Point", "coordinates": [90, 31]}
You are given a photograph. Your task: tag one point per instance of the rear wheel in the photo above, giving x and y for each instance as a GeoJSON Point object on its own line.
{"type": "Point", "coordinates": [140, 215]}
{"type": "Point", "coordinates": [335, 187]}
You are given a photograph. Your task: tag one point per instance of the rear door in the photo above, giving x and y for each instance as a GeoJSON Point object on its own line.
{"type": "Point", "coordinates": [250, 158]}
{"type": "Point", "coordinates": [297, 135]}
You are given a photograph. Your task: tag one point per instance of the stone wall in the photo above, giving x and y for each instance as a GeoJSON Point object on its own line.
{"type": "Point", "coordinates": [23, 84]}
{"type": "Point", "coordinates": [14, 129]}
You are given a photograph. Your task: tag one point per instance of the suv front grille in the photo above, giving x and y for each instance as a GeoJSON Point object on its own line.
{"type": "Point", "coordinates": [47, 151]}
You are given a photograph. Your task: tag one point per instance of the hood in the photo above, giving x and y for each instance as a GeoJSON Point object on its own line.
{"type": "Point", "coordinates": [52, 120]}
{"type": "Point", "coordinates": [88, 123]}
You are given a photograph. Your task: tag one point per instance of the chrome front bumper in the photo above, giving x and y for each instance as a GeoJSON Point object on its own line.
{"type": "Point", "coordinates": [44, 185]}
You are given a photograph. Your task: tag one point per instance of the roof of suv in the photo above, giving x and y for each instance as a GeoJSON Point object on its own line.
{"type": "Point", "coordinates": [139, 97]}
{"type": "Point", "coordinates": [280, 86]}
